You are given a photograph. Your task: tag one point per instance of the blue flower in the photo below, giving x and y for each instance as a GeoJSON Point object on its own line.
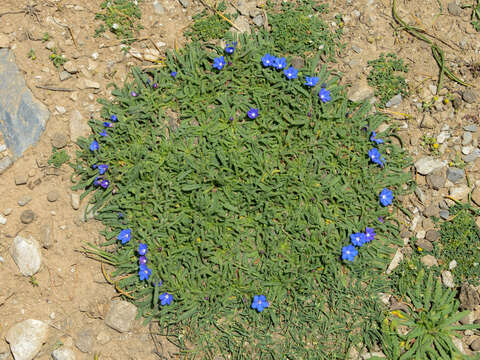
{"type": "Point", "coordinates": [102, 168]}
{"type": "Point", "coordinates": [324, 95]}
{"type": "Point", "coordinates": [142, 260]}
{"type": "Point", "coordinates": [311, 81]}
{"type": "Point", "coordinates": [376, 157]}
{"type": "Point", "coordinates": [104, 183]}
{"type": "Point", "coordinates": [165, 299]}
{"type": "Point", "coordinates": [155, 85]}
{"type": "Point", "coordinates": [280, 63]}
{"type": "Point", "coordinates": [230, 48]}
{"type": "Point", "coordinates": [349, 252]}
{"type": "Point", "coordinates": [386, 197]}
{"type": "Point", "coordinates": [107, 124]}
{"type": "Point", "coordinates": [268, 60]}
{"type": "Point", "coordinates": [358, 239]}
{"type": "Point", "coordinates": [173, 74]}
{"type": "Point", "coordinates": [369, 234]}
{"type": "Point", "coordinates": [374, 139]}
{"type": "Point", "coordinates": [134, 94]}
{"type": "Point", "coordinates": [94, 166]}
{"type": "Point", "coordinates": [125, 235]}
{"type": "Point", "coordinates": [104, 133]}
{"type": "Point", "coordinates": [142, 249]}
{"type": "Point", "coordinates": [94, 145]}
{"type": "Point", "coordinates": [97, 181]}
{"type": "Point", "coordinates": [219, 63]}
{"type": "Point", "coordinates": [252, 113]}
{"type": "Point", "coordinates": [114, 118]}
{"type": "Point", "coordinates": [259, 303]}
{"type": "Point", "coordinates": [144, 272]}
{"type": "Point", "coordinates": [291, 73]}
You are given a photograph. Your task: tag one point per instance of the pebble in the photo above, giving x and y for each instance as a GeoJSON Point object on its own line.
{"type": "Point", "coordinates": [454, 9]}
{"type": "Point", "coordinates": [476, 195]}
{"type": "Point", "coordinates": [426, 165]}
{"type": "Point", "coordinates": [467, 138]}
{"type": "Point", "coordinates": [24, 200]}
{"type": "Point", "coordinates": [467, 149]}
{"type": "Point", "coordinates": [452, 265]}
{"type": "Point", "coordinates": [432, 235]}
{"type": "Point", "coordinates": [396, 100]}
{"type": "Point", "coordinates": [425, 245]}
{"type": "Point", "coordinates": [429, 261]}
{"type": "Point", "coordinates": [5, 163]}
{"type": "Point", "coordinates": [447, 279]}
{"type": "Point", "coordinates": [103, 337]}
{"type": "Point", "coordinates": [121, 315]}
{"type": "Point", "coordinates": [475, 345]}
{"type": "Point", "coordinates": [431, 210]}
{"type": "Point", "coordinates": [258, 20]}
{"type": "Point", "coordinates": [420, 195]}
{"type": "Point", "coordinates": [84, 341]}
{"type": "Point", "coordinates": [63, 353]}
{"type": "Point", "coordinates": [46, 237]}
{"type": "Point", "coordinates": [71, 67]}
{"type": "Point", "coordinates": [469, 96]}
{"type": "Point", "coordinates": [444, 214]}
{"type": "Point", "coordinates": [397, 259]}
{"type": "Point", "coordinates": [59, 140]}
{"type": "Point", "coordinates": [474, 155]}
{"type": "Point", "coordinates": [459, 192]}
{"type": "Point", "coordinates": [455, 175]}
{"type": "Point", "coordinates": [471, 128]}
{"type": "Point", "coordinates": [436, 179]}
{"type": "Point", "coordinates": [7, 211]}
{"type": "Point", "coordinates": [469, 297]}
{"type": "Point", "coordinates": [357, 49]}
{"type": "Point", "coordinates": [360, 91]}
{"type": "Point", "coordinates": [3, 220]}
{"type": "Point", "coordinates": [26, 338]}
{"type": "Point", "coordinates": [27, 216]}
{"type": "Point", "coordinates": [427, 224]}
{"type": "Point", "coordinates": [3, 147]}
{"type": "Point", "coordinates": [443, 136]}
{"type": "Point", "coordinates": [75, 201]}
{"type": "Point", "coordinates": [60, 109]}
{"type": "Point", "coordinates": [27, 255]}
{"type": "Point", "coordinates": [428, 122]}
{"type": "Point", "coordinates": [64, 75]}
{"type": "Point", "coordinates": [458, 344]}
{"type": "Point", "coordinates": [421, 234]}
{"type": "Point", "coordinates": [53, 196]}
{"type": "Point", "coordinates": [21, 179]}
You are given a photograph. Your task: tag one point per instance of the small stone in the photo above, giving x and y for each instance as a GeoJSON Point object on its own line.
{"type": "Point", "coordinates": [88, 84]}
{"type": "Point", "coordinates": [427, 224]}
{"type": "Point", "coordinates": [64, 75]}
{"type": "Point", "coordinates": [459, 192]}
{"type": "Point", "coordinates": [50, 45]}
{"type": "Point", "coordinates": [24, 200]}
{"type": "Point", "coordinates": [53, 196]}
{"type": "Point", "coordinates": [5, 163]}
{"type": "Point", "coordinates": [467, 138]}
{"type": "Point", "coordinates": [3, 220]}
{"type": "Point", "coordinates": [59, 140]}
{"type": "Point", "coordinates": [34, 182]}
{"type": "Point", "coordinates": [467, 149]}
{"type": "Point", "coordinates": [357, 48]}
{"type": "Point", "coordinates": [27, 216]}
{"type": "Point", "coordinates": [158, 8]}
{"type": "Point", "coordinates": [71, 67]}
{"type": "Point", "coordinates": [426, 165]}
{"type": "Point", "coordinates": [75, 201]}
{"type": "Point", "coordinates": [431, 210]}
{"type": "Point", "coordinates": [27, 255]}
{"type": "Point", "coordinates": [469, 297]}
{"type": "Point", "coordinates": [184, 3]}
{"type": "Point", "coordinates": [7, 211]}
{"type": "Point", "coordinates": [471, 128]}
{"type": "Point", "coordinates": [447, 279]}
{"type": "Point", "coordinates": [60, 109]}
{"type": "Point", "coordinates": [469, 96]}
{"type": "Point", "coordinates": [46, 237]}
{"type": "Point", "coordinates": [458, 344]}
{"type": "Point", "coordinates": [432, 235]}
{"type": "Point", "coordinates": [360, 91]}
{"type": "Point", "coordinates": [476, 195]}
{"type": "Point", "coordinates": [63, 353]}
{"type": "Point", "coordinates": [396, 100]}
{"type": "Point", "coordinates": [121, 315]}
{"type": "Point", "coordinates": [258, 20]}
{"type": "Point", "coordinates": [397, 259]}
{"type": "Point", "coordinates": [425, 245]}
{"type": "Point", "coordinates": [429, 260]}
{"type": "Point", "coordinates": [21, 179]}
{"type": "Point", "coordinates": [454, 9]}
{"type": "Point", "coordinates": [468, 319]}
{"type": "Point", "coordinates": [428, 122]}
{"type": "Point", "coordinates": [420, 195]}
{"type": "Point", "coordinates": [444, 214]}
{"type": "Point", "coordinates": [103, 337]}
{"type": "Point", "coordinates": [84, 341]}
{"type": "Point", "coordinates": [26, 338]}
{"type": "Point", "coordinates": [241, 25]}
{"type": "Point", "coordinates": [474, 155]}
{"type": "Point", "coordinates": [436, 179]}
{"type": "Point", "coordinates": [452, 265]}
{"type": "Point", "coordinates": [455, 175]}
{"type": "Point", "coordinates": [475, 345]}
{"type": "Point", "coordinates": [421, 234]}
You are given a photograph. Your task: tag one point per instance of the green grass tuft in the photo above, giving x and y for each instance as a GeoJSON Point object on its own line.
{"type": "Point", "coordinates": [58, 158]}
{"type": "Point", "coordinates": [207, 26]}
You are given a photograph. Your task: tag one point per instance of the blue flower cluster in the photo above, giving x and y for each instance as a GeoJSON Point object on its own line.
{"type": "Point", "coordinates": [349, 252]}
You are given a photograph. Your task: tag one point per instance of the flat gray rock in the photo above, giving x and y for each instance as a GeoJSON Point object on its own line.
{"type": "Point", "coordinates": [428, 164]}
{"type": "Point", "coordinates": [22, 117]}
{"type": "Point", "coordinates": [121, 315]}
{"type": "Point", "coordinates": [26, 338]}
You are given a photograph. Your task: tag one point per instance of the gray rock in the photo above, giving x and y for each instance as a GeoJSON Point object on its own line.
{"type": "Point", "coordinates": [471, 128]}
{"type": "Point", "coordinates": [242, 25]}
{"type": "Point", "coordinates": [469, 297]}
{"type": "Point", "coordinates": [429, 261]}
{"type": "Point", "coordinates": [184, 3]}
{"type": "Point", "coordinates": [428, 122]}
{"type": "Point", "coordinates": [75, 201]}
{"type": "Point", "coordinates": [454, 9]}
{"type": "Point", "coordinates": [427, 224]}
{"type": "Point", "coordinates": [63, 353]}
{"type": "Point", "coordinates": [425, 245]}
{"type": "Point", "coordinates": [444, 214]}
{"type": "Point", "coordinates": [121, 315]}
{"type": "Point", "coordinates": [475, 345]}
{"type": "Point", "coordinates": [459, 344]}
{"type": "Point", "coordinates": [26, 338]}
{"type": "Point", "coordinates": [420, 195]}
{"type": "Point", "coordinates": [431, 210]}
{"type": "Point", "coordinates": [455, 175]}
{"type": "Point", "coordinates": [21, 179]}
{"type": "Point", "coordinates": [474, 155]}
{"type": "Point", "coordinates": [5, 163]}
{"type": "Point", "coordinates": [468, 319]}
{"type": "Point", "coordinates": [3, 220]}
{"type": "Point", "coordinates": [78, 126]}
{"type": "Point", "coordinates": [447, 279]}
{"type": "Point", "coordinates": [53, 196]}
{"type": "Point", "coordinates": [23, 118]}
{"type": "Point", "coordinates": [360, 91]}
{"type": "Point", "coordinates": [27, 255]}
{"type": "Point", "coordinates": [459, 192]}
{"type": "Point", "coordinates": [469, 96]}
{"type": "Point", "coordinates": [259, 20]}
{"type": "Point", "coordinates": [427, 165]}
{"type": "Point", "coordinates": [84, 341]}
{"type": "Point", "coordinates": [59, 140]}
{"type": "Point", "coordinates": [443, 136]}
{"type": "Point", "coordinates": [71, 67]}
{"type": "Point", "coordinates": [476, 195]}
{"type": "Point", "coordinates": [467, 138]}
{"type": "Point", "coordinates": [436, 179]}
{"type": "Point", "coordinates": [158, 8]}
{"type": "Point", "coordinates": [46, 237]}
{"type": "Point", "coordinates": [432, 235]}
{"type": "Point", "coordinates": [357, 49]}
{"type": "Point", "coordinates": [64, 75]}
{"type": "Point", "coordinates": [24, 200]}
{"type": "Point", "coordinates": [396, 100]}
{"type": "Point", "coordinates": [27, 216]}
